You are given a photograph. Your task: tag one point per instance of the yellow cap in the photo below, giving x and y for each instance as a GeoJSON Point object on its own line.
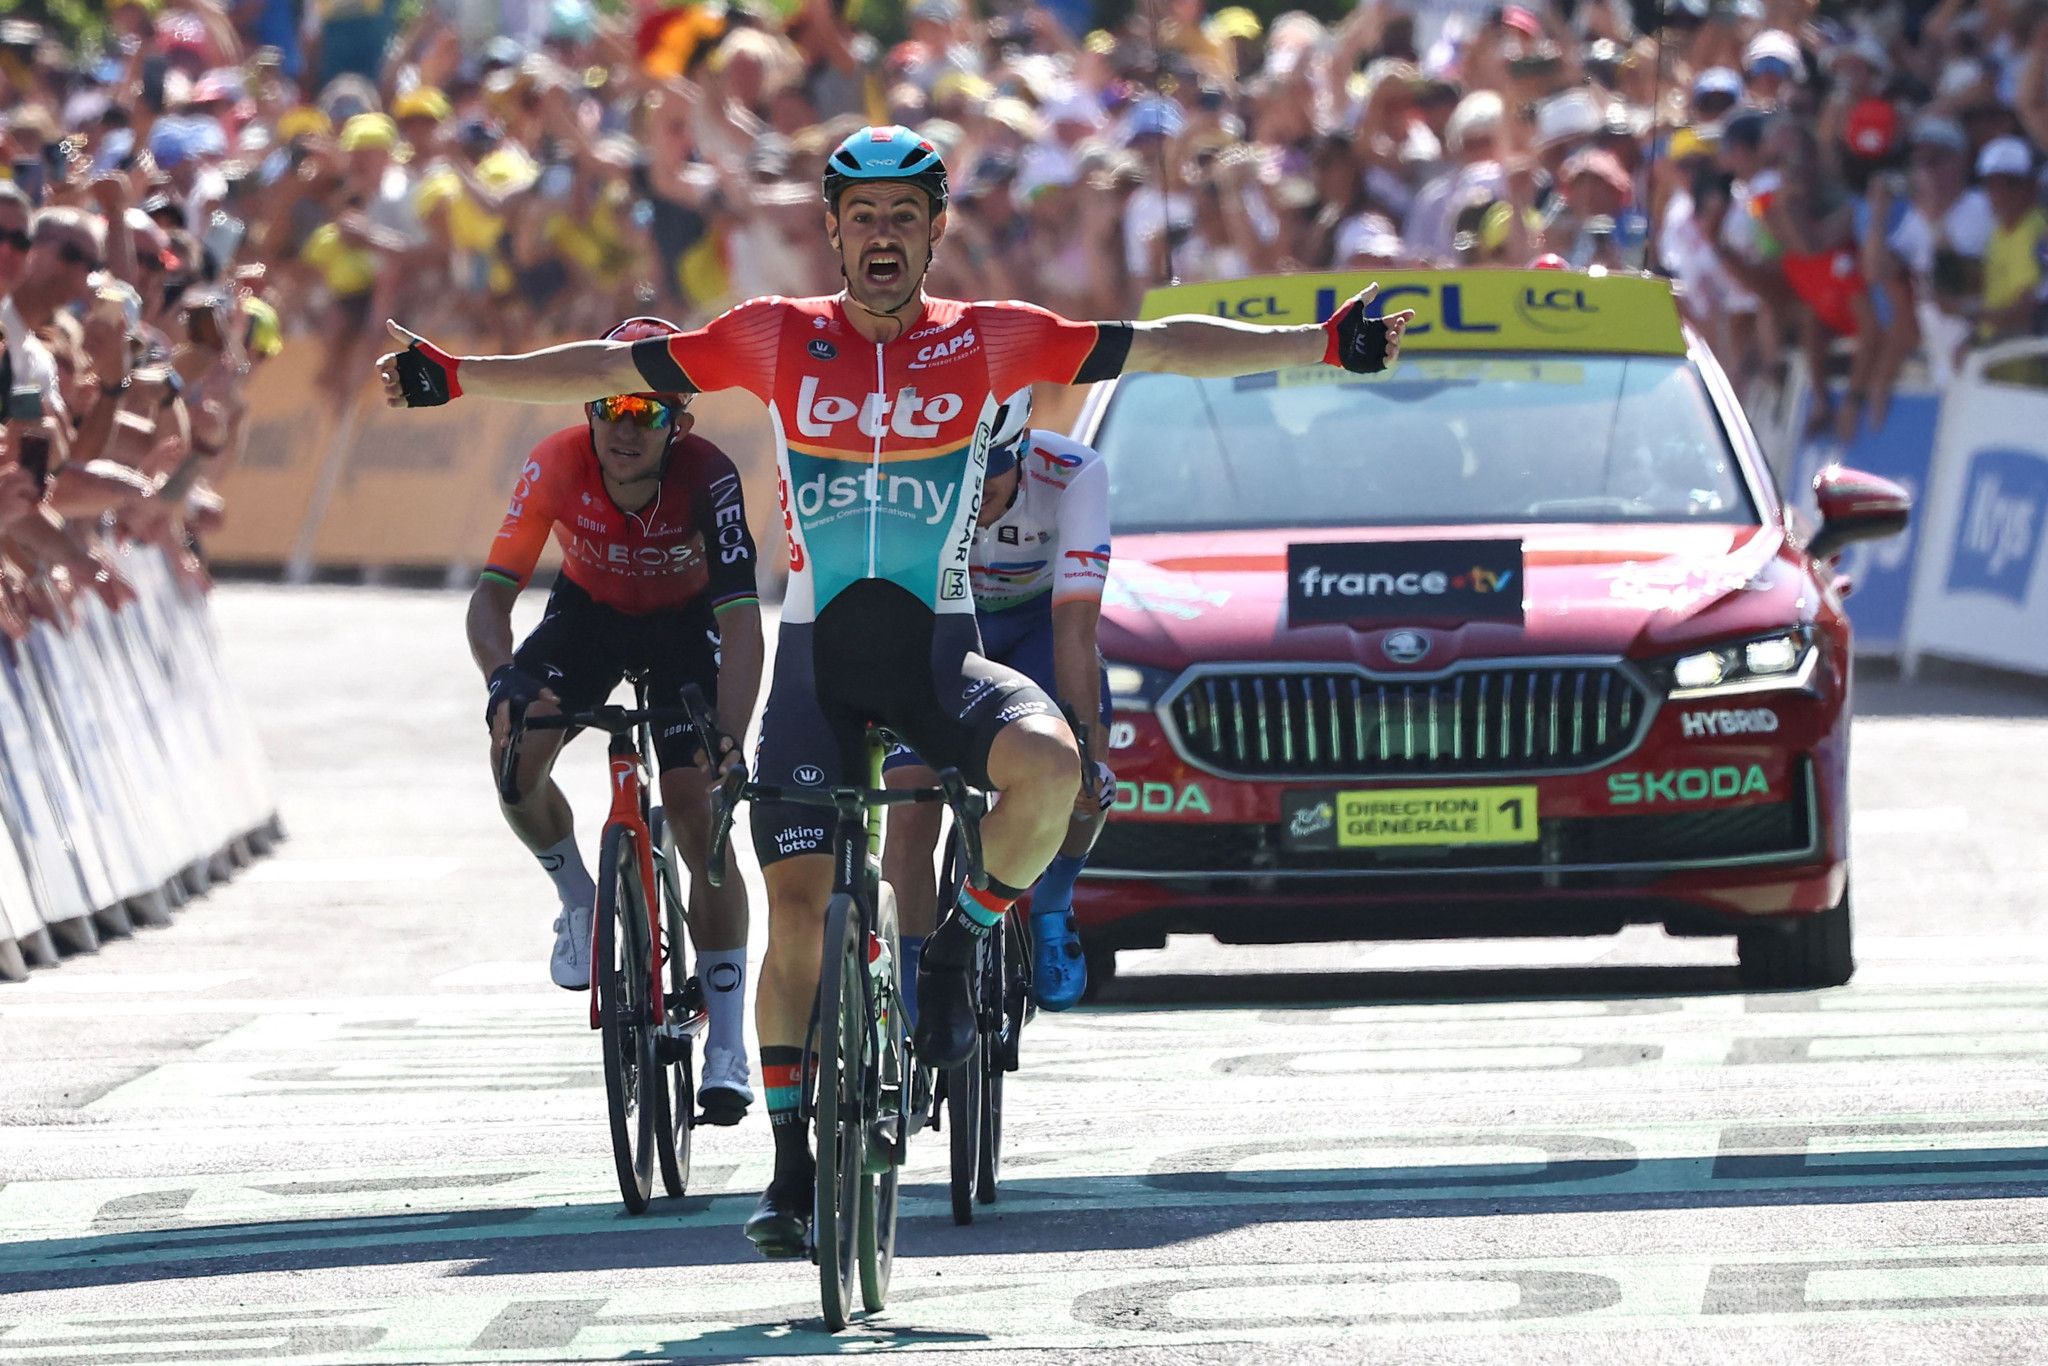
{"type": "Point", "coordinates": [304, 121]}
{"type": "Point", "coordinates": [1234, 22]}
{"type": "Point", "coordinates": [1687, 142]}
{"type": "Point", "coordinates": [964, 84]}
{"type": "Point", "coordinates": [369, 130]}
{"type": "Point", "coordinates": [1100, 42]}
{"type": "Point", "coordinates": [421, 102]}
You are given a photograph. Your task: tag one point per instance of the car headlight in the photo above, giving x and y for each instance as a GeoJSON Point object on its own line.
{"type": "Point", "coordinates": [1134, 688]}
{"type": "Point", "coordinates": [1781, 660]}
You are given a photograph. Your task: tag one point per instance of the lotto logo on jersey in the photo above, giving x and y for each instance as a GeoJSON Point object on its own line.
{"type": "Point", "coordinates": [908, 414]}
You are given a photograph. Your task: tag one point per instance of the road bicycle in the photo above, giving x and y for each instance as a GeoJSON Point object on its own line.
{"type": "Point", "coordinates": [857, 1060]}
{"type": "Point", "coordinates": [649, 1031]}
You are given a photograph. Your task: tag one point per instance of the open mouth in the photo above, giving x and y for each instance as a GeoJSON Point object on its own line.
{"type": "Point", "coordinates": [883, 268]}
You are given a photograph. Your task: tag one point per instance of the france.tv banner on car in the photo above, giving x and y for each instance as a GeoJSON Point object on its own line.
{"type": "Point", "coordinates": [1386, 581]}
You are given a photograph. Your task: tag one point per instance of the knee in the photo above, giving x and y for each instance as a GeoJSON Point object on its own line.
{"type": "Point", "coordinates": [1042, 756]}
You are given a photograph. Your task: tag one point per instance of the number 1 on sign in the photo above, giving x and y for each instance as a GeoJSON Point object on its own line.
{"type": "Point", "coordinates": [1514, 805]}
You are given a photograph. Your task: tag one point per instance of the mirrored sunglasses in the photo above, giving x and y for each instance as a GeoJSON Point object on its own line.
{"type": "Point", "coordinates": [636, 409]}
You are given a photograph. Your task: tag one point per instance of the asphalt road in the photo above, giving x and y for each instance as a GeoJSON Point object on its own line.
{"type": "Point", "coordinates": [338, 1114]}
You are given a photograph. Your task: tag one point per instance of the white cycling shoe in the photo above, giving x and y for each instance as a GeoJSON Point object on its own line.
{"type": "Point", "coordinates": [725, 1093]}
{"type": "Point", "coordinates": [570, 965]}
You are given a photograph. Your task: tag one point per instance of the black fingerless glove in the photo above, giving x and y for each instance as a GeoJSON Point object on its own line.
{"type": "Point", "coordinates": [1356, 342]}
{"type": "Point", "coordinates": [510, 683]}
{"type": "Point", "coordinates": [426, 375]}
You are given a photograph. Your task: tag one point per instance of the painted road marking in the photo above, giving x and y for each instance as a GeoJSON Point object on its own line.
{"type": "Point", "coordinates": [1142, 1306]}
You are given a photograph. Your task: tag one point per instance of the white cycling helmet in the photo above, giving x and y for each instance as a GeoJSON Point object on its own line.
{"type": "Point", "coordinates": [1013, 420]}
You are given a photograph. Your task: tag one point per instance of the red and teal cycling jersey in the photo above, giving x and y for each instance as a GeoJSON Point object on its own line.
{"type": "Point", "coordinates": [881, 448]}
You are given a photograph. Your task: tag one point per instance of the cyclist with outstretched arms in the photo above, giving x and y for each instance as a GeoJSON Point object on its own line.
{"type": "Point", "coordinates": [657, 579]}
{"type": "Point", "coordinates": [1040, 563]}
{"type": "Point", "coordinates": [882, 399]}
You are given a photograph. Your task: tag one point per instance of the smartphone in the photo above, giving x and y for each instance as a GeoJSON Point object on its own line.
{"type": "Point", "coordinates": [31, 178]}
{"type": "Point", "coordinates": [25, 404]}
{"type": "Point", "coordinates": [32, 449]}
{"type": "Point", "coordinates": [153, 68]}
{"type": "Point", "coordinates": [202, 325]}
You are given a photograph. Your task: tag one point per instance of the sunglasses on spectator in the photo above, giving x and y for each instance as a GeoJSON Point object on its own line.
{"type": "Point", "coordinates": [71, 254]}
{"type": "Point", "coordinates": [648, 413]}
{"type": "Point", "coordinates": [16, 238]}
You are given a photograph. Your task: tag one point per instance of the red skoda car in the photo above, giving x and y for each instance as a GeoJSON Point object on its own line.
{"type": "Point", "coordinates": [1518, 639]}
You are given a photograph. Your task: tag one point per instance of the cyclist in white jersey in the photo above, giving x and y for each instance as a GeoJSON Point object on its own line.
{"type": "Point", "coordinates": [1039, 562]}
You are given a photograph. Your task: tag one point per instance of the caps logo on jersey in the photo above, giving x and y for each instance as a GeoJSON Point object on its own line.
{"type": "Point", "coordinates": [1007, 535]}
{"type": "Point", "coordinates": [821, 349]}
{"type": "Point", "coordinates": [941, 351]}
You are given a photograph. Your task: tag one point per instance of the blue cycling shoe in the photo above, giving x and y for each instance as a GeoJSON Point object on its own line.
{"type": "Point", "coordinates": [1059, 973]}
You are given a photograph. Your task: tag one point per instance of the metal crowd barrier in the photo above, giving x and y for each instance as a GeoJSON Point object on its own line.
{"type": "Point", "coordinates": [130, 777]}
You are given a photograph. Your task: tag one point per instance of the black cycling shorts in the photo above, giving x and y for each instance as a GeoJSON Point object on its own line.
{"type": "Point", "coordinates": [876, 655]}
{"type": "Point", "coordinates": [582, 648]}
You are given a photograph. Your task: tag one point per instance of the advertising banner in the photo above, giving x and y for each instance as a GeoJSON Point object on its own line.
{"type": "Point", "coordinates": [1980, 586]}
{"type": "Point", "coordinates": [1881, 572]}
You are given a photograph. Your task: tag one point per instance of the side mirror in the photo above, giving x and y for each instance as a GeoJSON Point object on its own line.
{"type": "Point", "coordinates": [1855, 506]}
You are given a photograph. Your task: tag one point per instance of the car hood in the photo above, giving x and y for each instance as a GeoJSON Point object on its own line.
{"type": "Point", "coordinates": [1642, 590]}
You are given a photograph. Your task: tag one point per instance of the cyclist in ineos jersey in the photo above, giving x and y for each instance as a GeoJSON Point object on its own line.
{"type": "Point", "coordinates": [1041, 561]}
{"type": "Point", "coordinates": [658, 578]}
{"type": "Point", "coordinates": [883, 399]}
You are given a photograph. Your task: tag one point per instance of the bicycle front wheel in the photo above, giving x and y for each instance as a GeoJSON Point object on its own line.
{"type": "Point", "coordinates": [625, 1017]}
{"type": "Point", "coordinates": [677, 1092]}
{"type": "Point", "coordinates": [841, 1121]}
{"type": "Point", "coordinates": [996, 1033]}
{"type": "Point", "coordinates": [892, 1087]}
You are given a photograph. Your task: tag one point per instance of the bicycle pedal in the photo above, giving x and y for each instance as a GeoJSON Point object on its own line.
{"type": "Point", "coordinates": [671, 1048]}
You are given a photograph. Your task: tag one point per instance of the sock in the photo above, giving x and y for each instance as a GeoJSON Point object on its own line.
{"type": "Point", "coordinates": [1055, 892]}
{"type": "Point", "coordinates": [982, 911]}
{"type": "Point", "coordinates": [782, 1082]}
{"type": "Point", "coordinates": [912, 949]}
{"type": "Point", "coordinates": [565, 868]}
{"type": "Point", "coordinates": [723, 974]}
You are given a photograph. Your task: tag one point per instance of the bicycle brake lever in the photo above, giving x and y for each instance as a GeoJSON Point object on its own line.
{"type": "Point", "coordinates": [724, 802]}
{"type": "Point", "coordinates": [508, 762]}
{"type": "Point", "coordinates": [969, 807]}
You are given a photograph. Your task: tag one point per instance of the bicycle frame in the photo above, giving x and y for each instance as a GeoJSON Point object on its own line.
{"type": "Point", "coordinates": [629, 809]}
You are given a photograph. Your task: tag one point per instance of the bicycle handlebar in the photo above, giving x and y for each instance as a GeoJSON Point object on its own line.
{"type": "Point", "coordinates": [613, 720]}
{"type": "Point", "coordinates": [968, 804]}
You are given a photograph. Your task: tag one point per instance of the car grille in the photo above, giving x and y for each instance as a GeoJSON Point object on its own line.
{"type": "Point", "coordinates": [1757, 831]}
{"type": "Point", "coordinates": [1340, 723]}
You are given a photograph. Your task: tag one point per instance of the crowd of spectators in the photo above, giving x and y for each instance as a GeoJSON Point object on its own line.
{"type": "Point", "coordinates": [1860, 179]}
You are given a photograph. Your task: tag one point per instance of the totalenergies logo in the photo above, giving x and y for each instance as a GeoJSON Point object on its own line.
{"type": "Point", "coordinates": [908, 414]}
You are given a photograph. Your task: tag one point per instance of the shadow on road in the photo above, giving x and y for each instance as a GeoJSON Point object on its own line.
{"type": "Point", "coordinates": [1415, 986]}
{"type": "Point", "coordinates": [1190, 1195]}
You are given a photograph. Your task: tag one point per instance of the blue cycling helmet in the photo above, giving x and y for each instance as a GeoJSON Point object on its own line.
{"type": "Point", "coordinates": [892, 153]}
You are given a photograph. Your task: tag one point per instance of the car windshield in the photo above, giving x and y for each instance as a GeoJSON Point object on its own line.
{"type": "Point", "coordinates": [1440, 440]}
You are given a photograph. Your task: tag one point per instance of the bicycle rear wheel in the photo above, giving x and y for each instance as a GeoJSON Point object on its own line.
{"type": "Point", "coordinates": [678, 1092]}
{"type": "Point", "coordinates": [841, 1121]}
{"type": "Point", "coordinates": [892, 1085]}
{"type": "Point", "coordinates": [631, 1080]}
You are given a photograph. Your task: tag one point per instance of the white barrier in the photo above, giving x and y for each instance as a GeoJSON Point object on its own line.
{"type": "Point", "coordinates": [1980, 587]}
{"type": "Point", "coordinates": [130, 778]}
